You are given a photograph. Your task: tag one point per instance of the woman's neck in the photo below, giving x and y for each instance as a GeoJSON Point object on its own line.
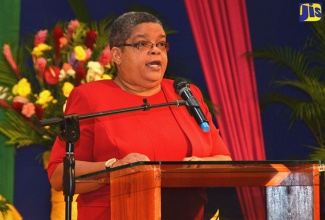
{"type": "Point", "coordinates": [137, 90]}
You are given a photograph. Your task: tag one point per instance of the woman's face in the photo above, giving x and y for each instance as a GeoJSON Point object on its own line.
{"type": "Point", "coordinates": [142, 69]}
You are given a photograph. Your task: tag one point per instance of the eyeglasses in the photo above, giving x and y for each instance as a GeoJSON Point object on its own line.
{"type": "Point", "coordinates": [145, 45]}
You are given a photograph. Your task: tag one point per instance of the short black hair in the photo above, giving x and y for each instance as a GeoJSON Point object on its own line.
{"type": "Point", "coordinates": [121, 28]}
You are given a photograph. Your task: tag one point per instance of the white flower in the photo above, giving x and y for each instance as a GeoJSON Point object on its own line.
{"type": "Point", "coordinates": [64, 74]}
{"type": "Point", "coordinates": [95, 71]}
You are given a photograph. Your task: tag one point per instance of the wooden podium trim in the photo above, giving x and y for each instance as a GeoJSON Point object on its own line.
{"type": "Point", "coordinates": [136, 195]}
{"type": "Point", "coordinates": [136, 188]}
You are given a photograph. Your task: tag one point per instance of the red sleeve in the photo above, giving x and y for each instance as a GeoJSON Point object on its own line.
{"type": "Point", "coordinates": [77, 104]}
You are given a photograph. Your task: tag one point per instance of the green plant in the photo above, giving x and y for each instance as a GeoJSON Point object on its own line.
{"type": "Point", "coordinates": [307, 66]}
{"type": "Point", "coordinates": [4, 208]}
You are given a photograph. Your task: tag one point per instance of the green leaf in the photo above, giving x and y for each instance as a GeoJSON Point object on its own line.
{"type": "Point", "coordinates": [80, 9]}
{"type": "Point", "coordinates": [4, 208]}
{"type": "Point", "coordinates": [19, 132]}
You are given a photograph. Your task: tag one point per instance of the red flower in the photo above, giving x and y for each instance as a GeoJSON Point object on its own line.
{"type": "Point", "coordinates": [40, 37]}
{"type": "Point", "coordinates": [8, 55]}
{"type": "Point", "coordinates": [106, 56]}
{"type": "Point", "coordinates": [39, 111]}
{"type": "Point", "coordinates": [52, 75]}
{"type": "Point", "coordinates": [57, 34]}
{"type": "Point", "coordinates": [4, 104]}
{"type": "Point", "coordinates": [41, 65]}
{"type": "Point", "coordinates": [80, 74]}
{"type": "Point", "coordinates": [18, 106]}
{"type": "Point", "coordinates": [90, 39]}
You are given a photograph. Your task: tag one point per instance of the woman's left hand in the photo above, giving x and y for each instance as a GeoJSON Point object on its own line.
{"type": "Point", "coordinates": [214, 158]}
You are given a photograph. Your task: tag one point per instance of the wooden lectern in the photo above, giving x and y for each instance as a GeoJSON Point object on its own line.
{"type": "Point", "coordinates": [292, 187]}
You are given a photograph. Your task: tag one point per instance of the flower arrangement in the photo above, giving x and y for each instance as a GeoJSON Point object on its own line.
{"type": "Point", "coordinates": [38, 82]}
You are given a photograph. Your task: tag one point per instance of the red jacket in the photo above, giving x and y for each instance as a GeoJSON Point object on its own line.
{"type": "Point", "coordinates": [166, 133]}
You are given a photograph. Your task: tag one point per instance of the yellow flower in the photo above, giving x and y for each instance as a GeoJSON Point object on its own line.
{"type": "Point", "coordinates": [106, 76]}
{"type": "Point", "coordinates": [38, 51]}
{"type": "Point", "coordinates": [80, 53]}
{"type": "Point", "coordinates": [67, 88]}
{"type": "Point", "coordinates": [46, 156]}
{"type": "Point", "coordinates": [44, 98]}
{"type": "Point", "coordinates": [22, 88]}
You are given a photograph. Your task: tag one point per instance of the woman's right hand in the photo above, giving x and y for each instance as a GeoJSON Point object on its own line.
{"type": "Point", "coordinates": [131, 158]}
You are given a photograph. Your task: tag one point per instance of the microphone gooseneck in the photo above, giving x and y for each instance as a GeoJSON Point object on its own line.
{"type": "Point", "coordinates": [193, 106]}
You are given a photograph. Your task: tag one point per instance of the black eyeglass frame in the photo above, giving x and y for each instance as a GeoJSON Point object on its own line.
{"type": "Point", "coordinates": [137, 45]}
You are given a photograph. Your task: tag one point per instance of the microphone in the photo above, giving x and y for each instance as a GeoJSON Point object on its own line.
{"type": "Point", "coordinates": [193, 106]}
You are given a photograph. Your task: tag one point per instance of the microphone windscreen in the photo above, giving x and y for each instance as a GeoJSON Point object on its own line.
{"type": "Point", "coordinates": [179, 83]}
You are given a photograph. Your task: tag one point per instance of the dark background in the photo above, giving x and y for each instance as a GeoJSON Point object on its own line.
{"type": "Point", "coordinates": [271, 23]}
